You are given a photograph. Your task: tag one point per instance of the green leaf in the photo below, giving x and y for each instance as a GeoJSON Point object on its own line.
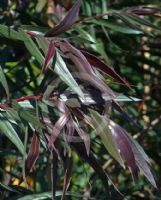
{"type": "Point", "coordinates": [9, 33]}
{"type": "Point", "coordinates": [4, 82]}
{"type": "Point", "coordinates": [61, 69]}
{"type": "Point", "coordinates": [32, 48]}
{"type": "Point", "coordinates": [117, 27]}
{"type": "Point", "coordinates": [102, 129]}
{"type": "Point", "coordinates": [126, 98]}
{"type": "Point", "coordinates": [47, 195]}
{"type": "Point", "coordinates": [8, 188]}
{"type": "Point", "coordinates": [26, 115]}
{"type": "Point", "coordinates": [7, 129]}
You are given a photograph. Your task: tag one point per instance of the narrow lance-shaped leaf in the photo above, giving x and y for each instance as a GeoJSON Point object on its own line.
{"type": "Point", "coordinates": [7, 129]}
{"type": "Point", "coordinates": [141, 161]}
{"type": "Point", "coordinates": [32, 48]}
{"type": "Point", "coordinates": [33, 153]}
{"type": "Point", "coordinates": [84, 136]}
{"type": "Point", "coordinates": [49, 55]}
{"type": "Point", "coordinates": [124, 144]}
{"type": "Point", "coordinates": [103, 130]}
{"type": "Point", "coordinates": [4, 82]}
{"type": "Point", "coordinates": [67, 22]}
{"type": "Point", "coordinates": [61, 69]}
{"type": "Point", "coordinates": [68, 171]}
{"type": "Point", "coordinates": [97, 63]}
{"type": "Point", "coordinates": [57, 128]}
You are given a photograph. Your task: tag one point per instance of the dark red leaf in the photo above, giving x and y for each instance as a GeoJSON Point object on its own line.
{"type": "Point", "coordinates": [57, 128]}
{"type": "Point", "coordinates": [68, 171]}
{"type": "Point", "coordinates": [124, 145]}
{"type": "Point", "coordinates": [33, 153]}
{"type": "Point", "coordinates": [97, 63]}
{"type": "Point", "coordinates": [85, 137]}
{"type": "Point", "coordinates": [142, 164]}
{"type": "Point", "coordinates": [70, 130]}
{"type": "Point", "coordinates": [67, 22]}
{"type": "Point", "coordinates": [80, 61]}
{"type": "Point", "coordinates": [49, 55]}
{"type": "Point", "coordinates": [143, 11]}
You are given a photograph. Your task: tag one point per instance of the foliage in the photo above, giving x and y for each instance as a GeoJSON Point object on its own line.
{"type": "Point", "coordinates": [59, 99]}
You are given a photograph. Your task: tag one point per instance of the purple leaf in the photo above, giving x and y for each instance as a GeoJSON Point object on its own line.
{"type": "Point", "coordinates": [70, 130]}
{"type": "Point", "coordinates": [67, 22]}
{"type": "Point", "coordinates": [68, 171]}
{"type": "Point", "coordinates": [84, 136]}
{"type": "Point", "coordinates": [57, 128]}
{"type": "Point", "coordinates": [33, 153]}
{"type": "Point", "coordinates": [80, 61]}
{"type": "Point", "coordinates": [142, 163]}
{"type": "Point", "coordinates": [49, 55]}
{"type": "Point", "coordinates": [97, 63]}
{"type": "Point", "coordinates": [124, 145]}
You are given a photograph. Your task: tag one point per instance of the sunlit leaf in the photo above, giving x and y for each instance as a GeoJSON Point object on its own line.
{"type": "Point", "coordinates": [104, 132]}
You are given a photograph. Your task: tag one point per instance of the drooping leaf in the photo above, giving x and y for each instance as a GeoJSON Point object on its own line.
{"type": "Point", "coordinates": [68, 171]}
{"type": "Point", "coordinates": [4, 82]}
{"type": "Point", "coordinates": [49, 55]}
{"type": "Point", "coordinates": [80, 61]}
{"type": "Point", "coordinates": [121, 28]}
{"type": "Point", "coordinates": [104, 132]}
{"type": "Point", "coordinates": [84, 136]}
{"type": "Point", "coordinates": [124, 145]}
{"type": "Point", "coordinates": [61, 69]}
{"type": "Point", "coordinates": [67, 22]}
{"type": "Point", "coordinates": [97, 63]}
{"type": "Point", "coordinates": [57, 128]}
{"type": "Point", "coordinates": [142, 161]}
{"type": "Point", "coordinates": [7, 129]}
{"type": "Point", "coordinates": [143, 166]}
{"type": "Point", "coordinates": [33, 153]}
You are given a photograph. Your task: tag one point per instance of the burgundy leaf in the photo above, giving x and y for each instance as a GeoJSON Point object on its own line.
{"type": "Point", "coordinates": [33, 153]}
{"type": "Point", "coordinates": [143, 11]}
{"type": "Point", "coordinates": [142, 164]}
{"type": "Point", "coordinates": [80, 61]}
{"type": "Point", "coordinates": [70, 130]}
{"type": "Point", "coordinates": [124, 145]}
{"type": "Point", "coordinates": [97, 63]}
{"type": "Point", "coordinates": [57, 128]}
{"type": "Point", "coordinates": [96, 82]}
{"type": "Point", "coordinates": [68, 171]}
{"type": "Point", "coordinates": [67, 22]}
{"type": "Point", "coordinates": [49, 55]}
{"type": "Point", "coordinates": [84, 136]}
